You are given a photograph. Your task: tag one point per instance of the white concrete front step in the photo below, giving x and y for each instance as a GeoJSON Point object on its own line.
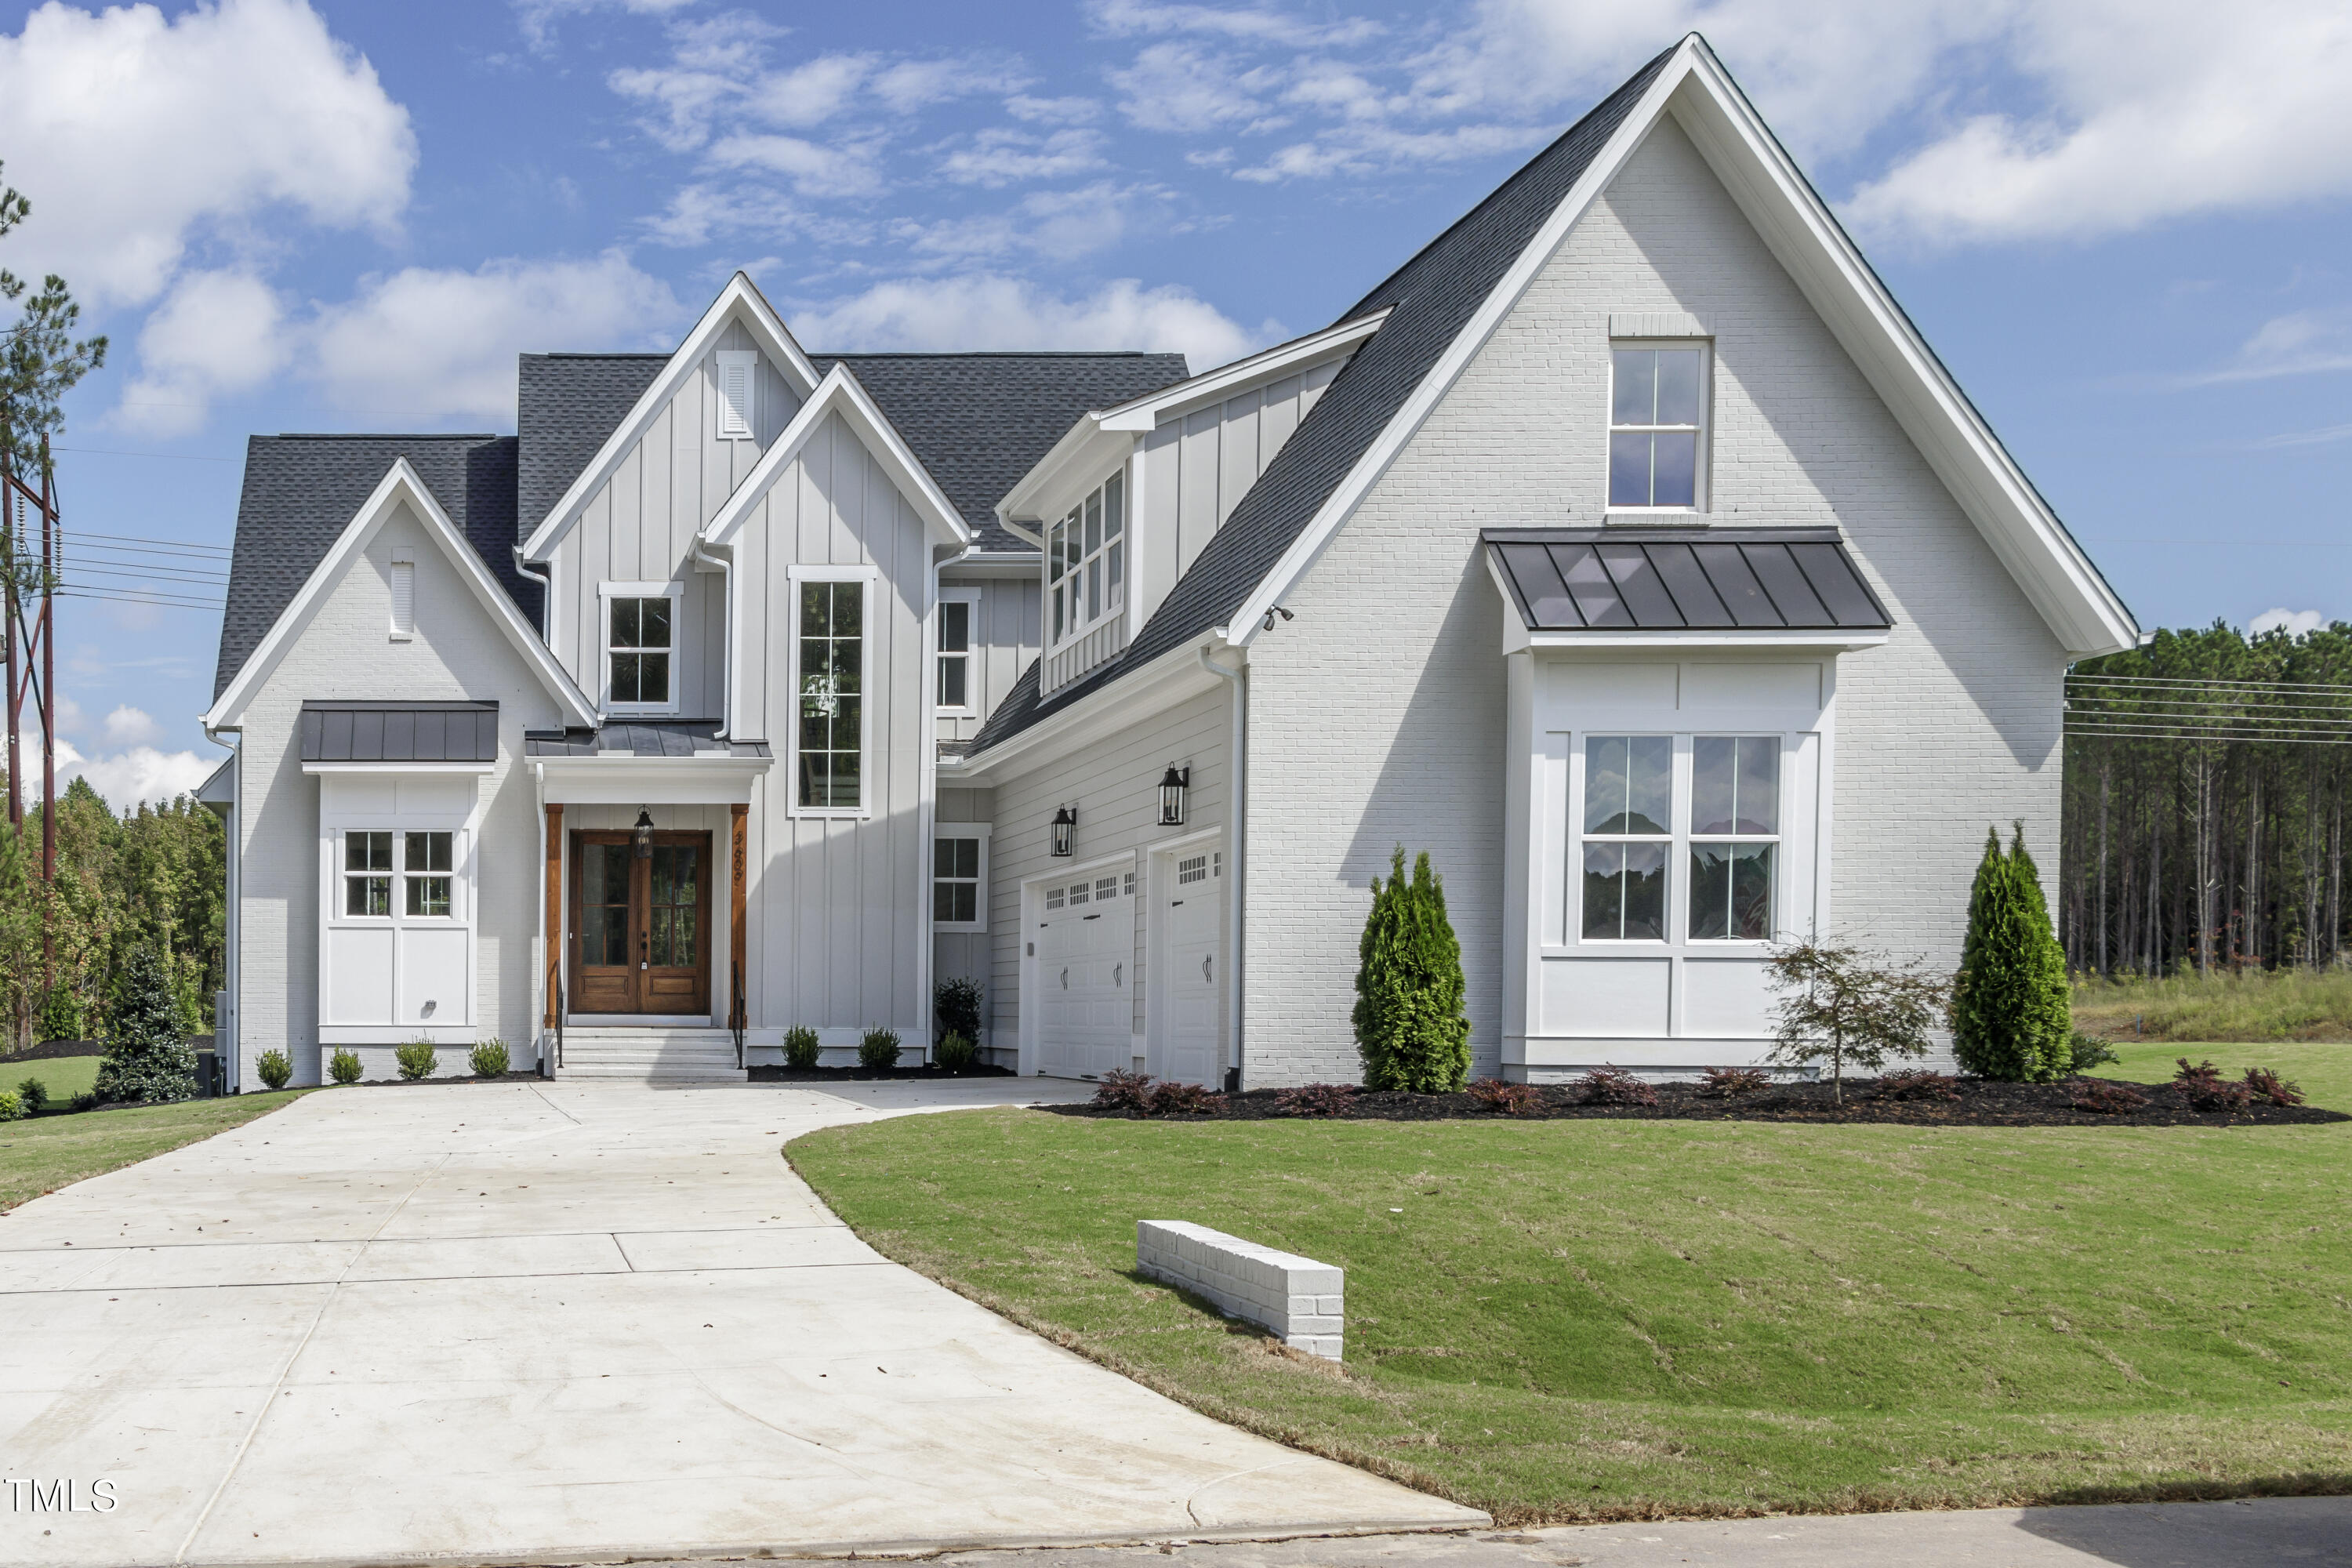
{"type": "Point", "coordinates": [641, 1055]}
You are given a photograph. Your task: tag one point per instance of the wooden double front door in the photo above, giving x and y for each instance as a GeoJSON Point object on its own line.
{"type": "Point", "coordinates": [640, 927]}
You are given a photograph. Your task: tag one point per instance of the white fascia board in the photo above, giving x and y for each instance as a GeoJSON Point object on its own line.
{"type": "Point", "coordinates": [1132, 698]}
{"type": "Point", "coordinates": [839, 393]}
{"type": "Point", "coordinates": [219, 788]}
{"type": "Point", "coordinates": [2050, 566]}
{"type": "Point", "coordinates": [1143, 414]}
{"type": "Point", "coordinates": [410, 767]}
{"type": "Point", "coordinates": [739, 300]}
{"type": "Point", "coordinates": [399, 483]}
{"type": "Point", "coordinates": [2047, 563]}
{"type": "Point", "coordinates": [1074, 465]}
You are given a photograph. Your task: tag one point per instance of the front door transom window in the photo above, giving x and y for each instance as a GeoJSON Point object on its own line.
{"type": "Point", "coordinates": [1710, 804]}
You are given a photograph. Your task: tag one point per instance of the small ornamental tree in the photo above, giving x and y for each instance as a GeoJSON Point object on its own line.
{"type": "Point", "coordinates": [1847, 1005]}
{"type": "Point", "coordinates": [1410, 1027]}
{"type": "Point", "coordinates": [146, 1056]}
{"type": "Point", "coordinates": [2011, 1017]}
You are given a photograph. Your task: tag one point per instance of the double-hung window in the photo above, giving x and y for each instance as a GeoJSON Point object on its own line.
{"type": "Point", "coordinates": [367, 875]}
{"type": "Point", "coordinates": [959, 875]}
{"type": "Point", "coordinates": [1713, 805]}
{"type": "Point", "coordinates": [1086, 562]}
{"type": "Point", "coordinates": [953, 685]}
{"type": "Point", "coordinates": [637, 649]}
{"type": "Point", "coordinates": [1657, 426]}
{"type": "Point", "coordinates": [831, 653]}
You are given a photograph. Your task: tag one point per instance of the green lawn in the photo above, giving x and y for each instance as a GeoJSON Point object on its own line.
{"type": "Point", "coordinates": [1582, 1319]}
{"type": "Point", "coordinates": [65, 1077]}
{"type": "Point", "coordinates": [44, 1154]}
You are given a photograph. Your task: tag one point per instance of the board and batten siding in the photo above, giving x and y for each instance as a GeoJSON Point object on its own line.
{"type": "Point", "coordinates": [640, 526]}
{"type": "Point", "coordinates": [1115, 785]}
{"type": "Point", "coordinates": [1380, 710]}
{"type": "Point", "coordinates": [838, 906]}
{"type": "Point", "coordinates": [1004, 632]}
{"type": "Point", "coordinates": [345, 652]}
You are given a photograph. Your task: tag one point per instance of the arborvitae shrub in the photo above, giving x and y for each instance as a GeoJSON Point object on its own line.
{"type": "Point", "coordinates": [955, 1007]}
{"type": "Point", "coordinates": [2012, 1015]}
{"type": "Point", "coordinates": [1410, 1027]}
{"type": "Point", "coordinates": [147, 1058]}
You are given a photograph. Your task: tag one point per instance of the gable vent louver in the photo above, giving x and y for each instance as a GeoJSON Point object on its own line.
{"type": "Point", "coordinates": [736, 372]}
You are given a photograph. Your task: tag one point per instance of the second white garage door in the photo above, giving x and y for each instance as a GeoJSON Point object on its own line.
{"type": "Point", "coordinates": [1086, 946]}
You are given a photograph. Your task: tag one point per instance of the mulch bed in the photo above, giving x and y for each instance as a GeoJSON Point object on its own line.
{"type": "Point", "coordinates": [1982, 1104]}
{"type": "Point", "coordinates": [774, 1074]}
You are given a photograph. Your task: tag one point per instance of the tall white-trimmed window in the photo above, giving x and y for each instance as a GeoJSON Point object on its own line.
{"type": "Point", "coordinates": [1629, 788]}
{"type": "Point", "coordinates": [1657, 426]}
{"type": "Point", "coordinates": [1711, 803]}
{"type": "Point", "coordinates": [953, 688]}
{"type": "Point", "coordinates": [959, 876]}
{"type": "Point", "coordinates": [1735, 834]}
{"type": "Point", "coordinates": [1086, 562]}
{"type": "Point", "coordinates": [641, 645]}
{"type": "Point", "coordinates": [739, 391]}
{"type": "Point", "coordinates": [829, 673]}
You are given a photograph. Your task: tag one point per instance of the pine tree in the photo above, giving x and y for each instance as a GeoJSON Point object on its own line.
{"type": "Point", "coordinates": [1410, 1028]}
{"type": "Point", "coordinates": [2011, 1015]}
{"type": "Point", "coordinates": [146, 1057]}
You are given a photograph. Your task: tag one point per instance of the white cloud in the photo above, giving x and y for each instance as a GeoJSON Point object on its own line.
{"type": "Point", "coordinates": [219, 333]}
{"type": "Point", "coordinates": [1052, 111]}
{"type": "Point", "coordinates": [133, 134]}
{"type": "Point", "coordinates": [439, 344]}
{"type": "Point", "coordinates": [991, 311]}
{"type": "Point", "coordinates": [1177, 87]}
{"type": "Point", "coordinates": [1061, 223]}
{"type": "Point", "coordinates": [814, 91]}
{"type": "Point", "coordinates": [129, 726]}
{"type": "Point", "coordinates": [998, 156]}
{"type": "Point", "coordinates": [141, 774]}
{"type": "Point", "coordinates": [700, 214]}
{"type": "Point", "coordinates": [2294, 622]}
{"type": "Point", "coordinates": [815, 170]}
{"type": "Point", "coordinates": [911, 85]}
{"type": "Point", "coordinates": [2302, 342]}
{"type": "Point", "coordinates": [536, 17]}
{"type": "Point", "coordinates": [2325, 436]}
{"type": "Point", "coordinates": [1256, 23]}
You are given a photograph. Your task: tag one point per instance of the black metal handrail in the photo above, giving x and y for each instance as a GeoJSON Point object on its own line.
{"type": "Point", "coordinates": [559, 1010]}
{"type": "Point", "coordinates": [738, 1016]}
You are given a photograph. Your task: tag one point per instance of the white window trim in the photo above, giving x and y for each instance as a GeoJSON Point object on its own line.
{"type": "Point", "coordinates": [726, 360]}
{"type": "Point", "coordinates": [673, 591]}
{"type": "Point", "coordinates": [402, 556]}
{"type": "Point", "coordinates": [1702, 493]}
{"type": "Point", "coordinates": [1117, 593]}
{"type": "Point", "coordinates": [979, 830]}
{"type": "Point", "coordinates": [460, 873]}
{"type": "Point", "coordinates": [1678, 841]}
{"type": "Point", "coordinates": [970, 656]}
{"type": "Point", "coordinates": [794, 577]}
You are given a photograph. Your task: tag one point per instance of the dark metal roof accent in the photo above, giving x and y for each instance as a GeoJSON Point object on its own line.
{"type": "Point", "coordinates": [1430, 299]}
{"type": "Point", "coordinates": [301, 491]}
{"type": "Point", "coordinates": [338, 731]}
{"type": "Point", "coordinates": [641, 737]}
{"type": "Point", "coordinates": [1685, 579]}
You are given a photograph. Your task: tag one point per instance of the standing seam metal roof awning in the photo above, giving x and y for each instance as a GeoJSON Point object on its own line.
{"type": "Point", "coordinates": [643, 738]}
{"type": "Point", "coordinates": [1685, 579]}
{"type": "Point", "coordinates": [338, 731]}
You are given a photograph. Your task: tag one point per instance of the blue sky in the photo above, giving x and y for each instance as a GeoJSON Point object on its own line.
{"type": "Point", "coordinates": [2122, 225]}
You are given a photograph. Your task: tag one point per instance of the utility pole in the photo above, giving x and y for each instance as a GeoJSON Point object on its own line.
{"type": "Point", "coordinates": [48, 689]}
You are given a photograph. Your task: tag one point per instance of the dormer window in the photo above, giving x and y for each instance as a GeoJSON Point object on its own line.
{"type": "Point", "coordinates": [1657, 426]}
{"type": "Point", "coordinates": [739, 383]}
{"type": "Point", "coordinates": [1086, 562]}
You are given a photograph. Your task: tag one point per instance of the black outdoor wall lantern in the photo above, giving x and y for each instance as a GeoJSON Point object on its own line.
{"type": "Point", "coordinates": [644, 835]}
{"type": "Point", "coordinates": [1066, 828]}
{"type": "Point", "coordinates": [1173, 785]}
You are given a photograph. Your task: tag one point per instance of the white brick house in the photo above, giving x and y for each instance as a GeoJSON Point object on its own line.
{"type": "Point", "coordinates": [1627, 549]}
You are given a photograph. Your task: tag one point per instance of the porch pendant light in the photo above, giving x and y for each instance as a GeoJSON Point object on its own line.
{"type": "Point", "coordinates": [1173, 785]}
{"type": "Point", "coordinates": [644, 836]}
{"type": "Point", "coordinates": [1066, 829]}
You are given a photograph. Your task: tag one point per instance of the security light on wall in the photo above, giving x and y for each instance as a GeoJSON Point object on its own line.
{"type": "Point", "coordinates": [1066, 829]}
{"type": "Point", "coordinates": [1173, 783]}
{"type": "Point", "coordinates": [644, 835]}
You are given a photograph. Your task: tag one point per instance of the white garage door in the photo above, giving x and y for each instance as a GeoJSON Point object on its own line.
{"type": "Point", "coordinates": [1193, 928]}
{"type": "Point", "coordinates": [1085, 945]}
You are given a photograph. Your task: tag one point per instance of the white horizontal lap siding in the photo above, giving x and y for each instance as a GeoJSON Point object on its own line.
{"type": "Point", "coordinates": [1115, 785]}
{"type": "Point", "coordinates": [640, 526]}
{"type": "Point", "coordinates": [1378, 715]}
{"type": "Point", "coordinates": [457, 655]}
{"type": "Point", "coordinates": [839, 910]}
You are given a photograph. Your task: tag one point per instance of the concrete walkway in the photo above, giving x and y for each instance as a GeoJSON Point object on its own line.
{"type": "Point", "coordinates": [555, 1322]}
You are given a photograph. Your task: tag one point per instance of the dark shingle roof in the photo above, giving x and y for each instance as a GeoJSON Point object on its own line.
{"type": "Point", "coordinates": [400, 731]}
{"type": "Point", "coordinates": [1430, 298]}
{"type": "Point", "coordinates": [1676, 579]}
{"type": "Point", "coordinates": [301, 491]}
{"type": "Point", "coordinates": [977, 422]}
{"type": "Point", "coordinates": [565, 407]}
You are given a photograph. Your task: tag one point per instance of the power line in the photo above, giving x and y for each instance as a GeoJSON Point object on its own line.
{"type": "Point", "coordinates": [2339, 739]}
{"type": "Point", "coordinates": [110, 452]}
{"type": "Point", "coordinates": [221, 550]}
{"type": "Point", "coordinates": [2196, 684]}
{"type": "Point", "coordinates": [159, 601]}
{"type": "Point", "coordinates": [102, 569]}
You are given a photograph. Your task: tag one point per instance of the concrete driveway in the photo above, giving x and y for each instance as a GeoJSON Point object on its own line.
{"type": "Point", "coordinates": [550, 1323]}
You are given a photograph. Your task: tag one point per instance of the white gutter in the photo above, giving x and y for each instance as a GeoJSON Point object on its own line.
{"type": "Point", "coordinates": [1237, 750]}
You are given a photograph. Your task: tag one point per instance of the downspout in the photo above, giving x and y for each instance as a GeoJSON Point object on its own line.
{"type": "Point", "coordinates": [725, 565]}
{"type": "Point", "coordinates": [1237, 753]}
{"type": "Point", "coordinates": [546, 580]}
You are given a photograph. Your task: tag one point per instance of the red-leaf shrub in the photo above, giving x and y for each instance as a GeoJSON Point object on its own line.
{"type": "Point", "coordinates": [1733, 1082]}
{"type": "Point", "coordinates": [1127, 1092]}
{"type": "Point", "coordinates": [2264, 1084]}
{"type": "Point", "coordinates": [1614, 1086]}
{"type": "Point", "coordinates": [1316, 1099]}
{"type": "Point", "coordinates": [2204, 1087]}
{"type": "Point", "coordinates": [1183, 1099]}
{"type": "Point", "coordinates": [1918, 1083]}
{"type": "Point", "coordinates": [2106, 1099]}
{"type": "Point", "coordinates": [1510, 1099]}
